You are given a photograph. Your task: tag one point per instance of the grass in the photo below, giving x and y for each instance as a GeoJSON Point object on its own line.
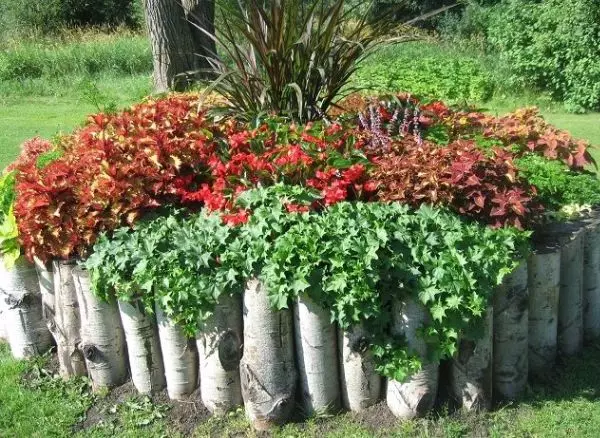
{"type": "Point", "coordinates": [35, 403]}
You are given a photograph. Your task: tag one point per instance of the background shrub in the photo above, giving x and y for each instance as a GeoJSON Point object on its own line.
{"type": "Point", "coordinates": [38, 17]}
{"type": "Point", "coordinates": [419, 69]}
{"type": "Point", "coordinates": [552, 45]}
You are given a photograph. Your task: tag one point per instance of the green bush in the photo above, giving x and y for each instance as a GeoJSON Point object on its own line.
{"type": "Point", "coordinates": [425, 71]}
{"type": "Point", "coordinates": [552, 45]}
{"type": "Point", "coordinates": [558, 186]}
{"type": "Point", "coordinates": [39, 17]}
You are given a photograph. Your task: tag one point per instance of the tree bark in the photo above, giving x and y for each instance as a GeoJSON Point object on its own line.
{"type": "Point", "coordinates": [102, 336]}
{"type": "Point", "coordinates": [67, 321]}
{"type": "Point", "coordinates": [21, 300]}
{"type": "Point", "coordinates": [511, 331]}
{"type": "Point", "coordinates": [177, 43]}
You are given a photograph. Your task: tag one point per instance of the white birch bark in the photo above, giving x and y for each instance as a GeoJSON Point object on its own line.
{"type": "Point", "coordinates": [179, 355]}
{"type": "Point", "coordinates": [544, 288]}
{"type": "Point", "coordinates": [316, 352]}
{"type": "Point", "coordinates": [46, 283]}
{"type": "Point", "coordinates": [591, 280]}
{"type": "Point", "coordinates": [511, 326]}
{"type": "Point", "coordinates": [267, 369]}
{"type": "Point", "coordinates": [570, 307]}
{"type": "Point", "coordinates": [360, 383]}
{"type": "Point", "coordinates": [3, 334]}
{"type": "Point", "coordinates": [220, 349]}
{"type": "Point", "coordinates": [471, 369]}
{"type": "Point", "coordinates": [143, 348]}
{"type": "Point", "coordinates": [102, 336]}
{"type": "Point", "coordinates": [21, 300]}
{"type": "Point", "coordinates": [67, 321]}
{"type": "Point", "coordinates": [415, 396]}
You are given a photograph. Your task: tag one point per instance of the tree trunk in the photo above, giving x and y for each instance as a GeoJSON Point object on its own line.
{"type": "Point", "coordinates": [200, 14]}
{"type": "Point", "coordinates": [102, 336]}
{"type": "Point", "coordinates": [177, 45]}
{"type": "Point", "coordinates": [267, 370]}
{"type": "Point", "coordinates": [316, 350]}
{"type": "Point", "coordinates": [67, 321]}
{"type": "Point", "coordinates": [544, 288]}
{"type": "Point", "coordinates": [220, 349]}
{"type": "Point", "coordinates": [511, 327]}
{"type": "Point", "coordinates": [471, 369]}
{"type": "Point", "coordinates": [360, 383]}
{"type": "Point", "coordinates": [416, 395]}
{"type": "Point", "coordinates": [21, 300]}
{"type": "Point", "coordinates": [180, 357]}
{"type": "Point", "coordinates": [143, 348]}
{"type": "Point", "coordinates": [591, 280]}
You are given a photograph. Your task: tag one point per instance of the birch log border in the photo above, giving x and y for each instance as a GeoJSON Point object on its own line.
{"type": "Point", "coordinates": [471, 369]}
{"type": "Point", "coordinates": [46, 283]}
{"type": "Point", "coordinates": [67, 320]}
{"type": "Point", "coordinates": [570, 237]}
{"type": "Point", "coordinates": [416, 396]}
{"type": "Point", "coordinates": [143, 348]}
{"type": "Point", "coordinates": [544, 290]}
{"type": "Point", "coordinates": [268, 371]}
{"type": "Point", "coordinates": [219, 344]}
{"type": "Point", "coordinates": [180, 357]}
{"type": "Point", "coordinates": [317, 358]}
{"type": "Point", "coordinates": [511, 335]}
{"type": "Point", "coordinates": [591, 278]}
{"type": "Point", "coordinates": [102, 336]}
{"type": "Point", "coordinates": [3, 332]}
{"type": "Point", "coordinates": [361, 385]}
{"type": "Point", "coordinates": [26, 331]}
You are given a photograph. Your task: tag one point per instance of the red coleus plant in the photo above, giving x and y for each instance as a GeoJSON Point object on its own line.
{"type": "Point", "coordinates": [460, 176]}
{"type": "Point", "coordinates": [30, 151]}
{"type": "Point", "coordinates": [524, 130]}
{"type": "Point", "coordinates": [168, 152]}
{"type": "Point", "coordinates": [111, 170]}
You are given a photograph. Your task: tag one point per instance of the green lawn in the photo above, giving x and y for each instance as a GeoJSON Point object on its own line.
{"type": "Point", "coordinates": [34, 403]}
{"type": "Point", "coordinates": [60, 107]}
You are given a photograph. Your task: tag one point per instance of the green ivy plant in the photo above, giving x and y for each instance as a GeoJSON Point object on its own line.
{"type": "Point", "coordinates": [354, 259]}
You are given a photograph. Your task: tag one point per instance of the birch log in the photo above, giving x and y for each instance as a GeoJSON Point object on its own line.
{"type": "Point", "coordinates": [21, 300]}
{"type": "Point", "coordinates": [591, 279]}
{"type": "Point", "coordinates": [3, 334]}
{"type": "Point", "coordinates": [471, 369]}
{"type": "Point", "coordinates": [267, 370]}
{"type": "Point", "coordinates": [143, 348]}
{"type": "Point", "coordinates": [46, 284]}
{"type": "Point", "coordinates": [544, 288]}
{"type": "Point", "coordinates": [179, 355]}
{"type": "Point", "coordinates": [360, 383]}
{"type": "Point", "coordinates": [316, 352]}
{"type": "Point", "coordinates": [102, 336]}
{"type": "Point", "coordinates": [415, 396]}
{"type": "Point", "coordinates": [220, 349]}
{"type": "Point", "coordinates": [67, 321]}
{"type": "Point", "coordinates": [511, 325]}
{"type": "Point", "coordinates": [570, 303]}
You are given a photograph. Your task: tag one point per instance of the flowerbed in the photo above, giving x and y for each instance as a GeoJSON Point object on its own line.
{"type": "Point", "coordinates": [390, 199]}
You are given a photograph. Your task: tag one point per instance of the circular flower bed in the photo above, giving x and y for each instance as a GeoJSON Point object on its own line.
{"type": "Point", "coordinates": [390, 199]}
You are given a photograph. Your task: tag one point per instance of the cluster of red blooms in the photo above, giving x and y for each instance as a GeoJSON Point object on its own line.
{"type": "Point", "coordinates": [169, 151]}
